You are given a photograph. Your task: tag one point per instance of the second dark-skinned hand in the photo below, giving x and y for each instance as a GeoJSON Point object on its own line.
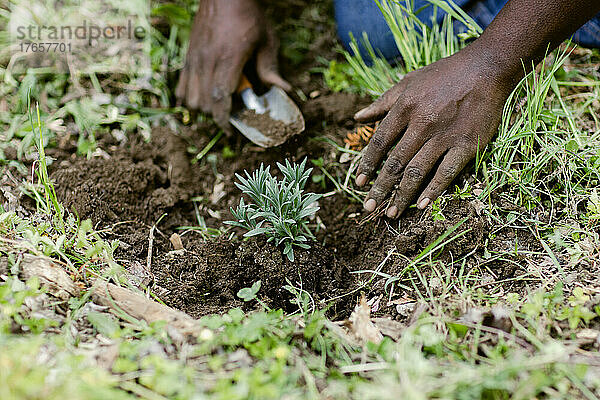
{"type": "Point", "coordinates": [224, 36]}
{"type": "Point", "coordinates": [438, 117]}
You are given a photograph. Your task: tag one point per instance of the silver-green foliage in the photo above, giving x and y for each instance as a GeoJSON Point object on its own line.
{"type": "Point", "coordinates": [279, 209]}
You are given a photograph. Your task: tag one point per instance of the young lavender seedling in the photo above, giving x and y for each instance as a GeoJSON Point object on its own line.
{"type": "Point", "coordinates": [279, 209]}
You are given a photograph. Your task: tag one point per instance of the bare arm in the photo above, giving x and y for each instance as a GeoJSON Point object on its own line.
{"type": "Point", "coordinates": [525, 30]}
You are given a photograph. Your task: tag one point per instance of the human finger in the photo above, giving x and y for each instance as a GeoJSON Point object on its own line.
{"type": "Point", "coordinates": [452, 164]}
{"type": "Point", "coordinates": [267, 65]}
{"type": "Point", "coordinates": [381, 142]}
{"type": "Point", "coordinates": [414, 176]}
{"type": "Point", "coordinates": [394, 166]}
{"type": "Point", "coordinates": [382, 105]}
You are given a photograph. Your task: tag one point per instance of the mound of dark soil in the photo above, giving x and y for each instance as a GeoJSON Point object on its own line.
{"type": "Point", "coordinates": [338, 108]}
{"type": "Point", "coordinates": [277, 130]}
{"type": "Point", "coordinates": [140, 182]}
{"type": "Point", "coordinates": [363, 245]}
{"type": "Point", "coordinates": [206, 277]}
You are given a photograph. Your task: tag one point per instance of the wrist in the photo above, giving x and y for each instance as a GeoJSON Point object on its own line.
{"type": "Point", "coordinates": [492, 62]}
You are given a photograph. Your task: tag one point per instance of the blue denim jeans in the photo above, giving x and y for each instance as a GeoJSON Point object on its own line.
{"type": "Point", "coordinates": [358, 16]}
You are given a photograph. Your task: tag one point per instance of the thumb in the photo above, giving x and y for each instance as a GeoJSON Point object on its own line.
{"type": "Point", "coordinates": [225, 79]}
{"type": "Point", "coordinates": [221, 109]}
{"type": "Point", "coordinates": [266, 63]}
{"type": "Point", "coordinates": [380, 106]}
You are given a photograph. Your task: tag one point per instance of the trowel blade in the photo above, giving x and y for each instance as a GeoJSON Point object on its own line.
{"type": "Point", "coordinates": [281, 108]}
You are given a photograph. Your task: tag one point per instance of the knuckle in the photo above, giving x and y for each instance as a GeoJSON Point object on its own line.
{"type": "Point", "coordinates": [379, 105]}
{"type": "Point", "coordinates": [449, 171]}
{"type": "Point", "coordinates": [394, 166]}
{"type": "Point", "coordinates": [409, 100]}
{"type": "Point", "coordinates": [414, 174]}
{"type": "Point", "coordinates": [377, 193]}
{"type": "Point", "coordinates": [388, 99]}
{"type": "Point", "coordinates": [377, 142]}
{"type": "Point", "coordinates": [199, 57]}
{"type": "Point", "coordinates": [426, 120]}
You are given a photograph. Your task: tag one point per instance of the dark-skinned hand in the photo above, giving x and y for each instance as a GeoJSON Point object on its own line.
{"type": "Point", "coordinates": [438, 118]}
{"type": "Point", "coordinates": [224, 36]}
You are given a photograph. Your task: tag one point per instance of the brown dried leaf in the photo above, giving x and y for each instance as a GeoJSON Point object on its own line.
{"type": "Point", "coordinates": [361, 325]}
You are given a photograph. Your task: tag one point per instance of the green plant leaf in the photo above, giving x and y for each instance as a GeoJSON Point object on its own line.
{"type": "Point", "coordinates": [104, 323]}
{"type": "Point", "coordinates": [248, 294]}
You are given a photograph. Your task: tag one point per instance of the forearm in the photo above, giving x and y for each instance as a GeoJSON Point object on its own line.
{"type": "Point", "coordinates": [525, 30]}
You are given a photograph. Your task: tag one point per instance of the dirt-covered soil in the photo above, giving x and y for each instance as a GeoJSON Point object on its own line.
{"type": "Point", "coordinates": [138, 185]}
{"type": "Point", "coordinates": [277, 130]}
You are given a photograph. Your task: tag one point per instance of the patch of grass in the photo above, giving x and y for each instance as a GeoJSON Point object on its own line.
{"type": "Point", "coordinates": [542, 146]}
{"type": "Point", "coordinates": [545, 158]}
{"type": "Point", "coordinates": [93, 101]}
{"type": "Point", "coordinates": [35, 368]}
{"type": "Point", "coordinates": [339, 76]}
{"type": "Point", "coordinates": [418, 43]}
{"type": "Point", "coordinates": [270, 355]}
{"type": "Point", "coordinates": [13, 294]}
{"type": "Point", "coordinates": [301, 27]}
{"type": "Point", "coordinates": [52, 231]}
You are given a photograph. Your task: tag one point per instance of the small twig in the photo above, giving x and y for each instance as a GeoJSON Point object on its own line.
{"type": "Point", "coordinates": [500, 332]}
{"type": "Point", "coordinates": [584, 359]}
{"type": "Point", "coordinates": [150, 244]}
{"type": "Point", "coordinates": [365, 367]}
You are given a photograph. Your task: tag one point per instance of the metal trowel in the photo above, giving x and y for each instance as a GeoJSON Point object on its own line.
{"type": "Point", "coordinates": [279, 107]}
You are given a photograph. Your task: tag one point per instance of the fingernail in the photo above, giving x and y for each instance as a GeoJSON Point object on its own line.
{"type": "Point", "coordinates": [361, 179]}
{"type": "Point", "coordinates": [423, 203]}
{"type": "Point", "coordinates": [392, 212]}
{"type": "Point", "coordinates": [370, 205]}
